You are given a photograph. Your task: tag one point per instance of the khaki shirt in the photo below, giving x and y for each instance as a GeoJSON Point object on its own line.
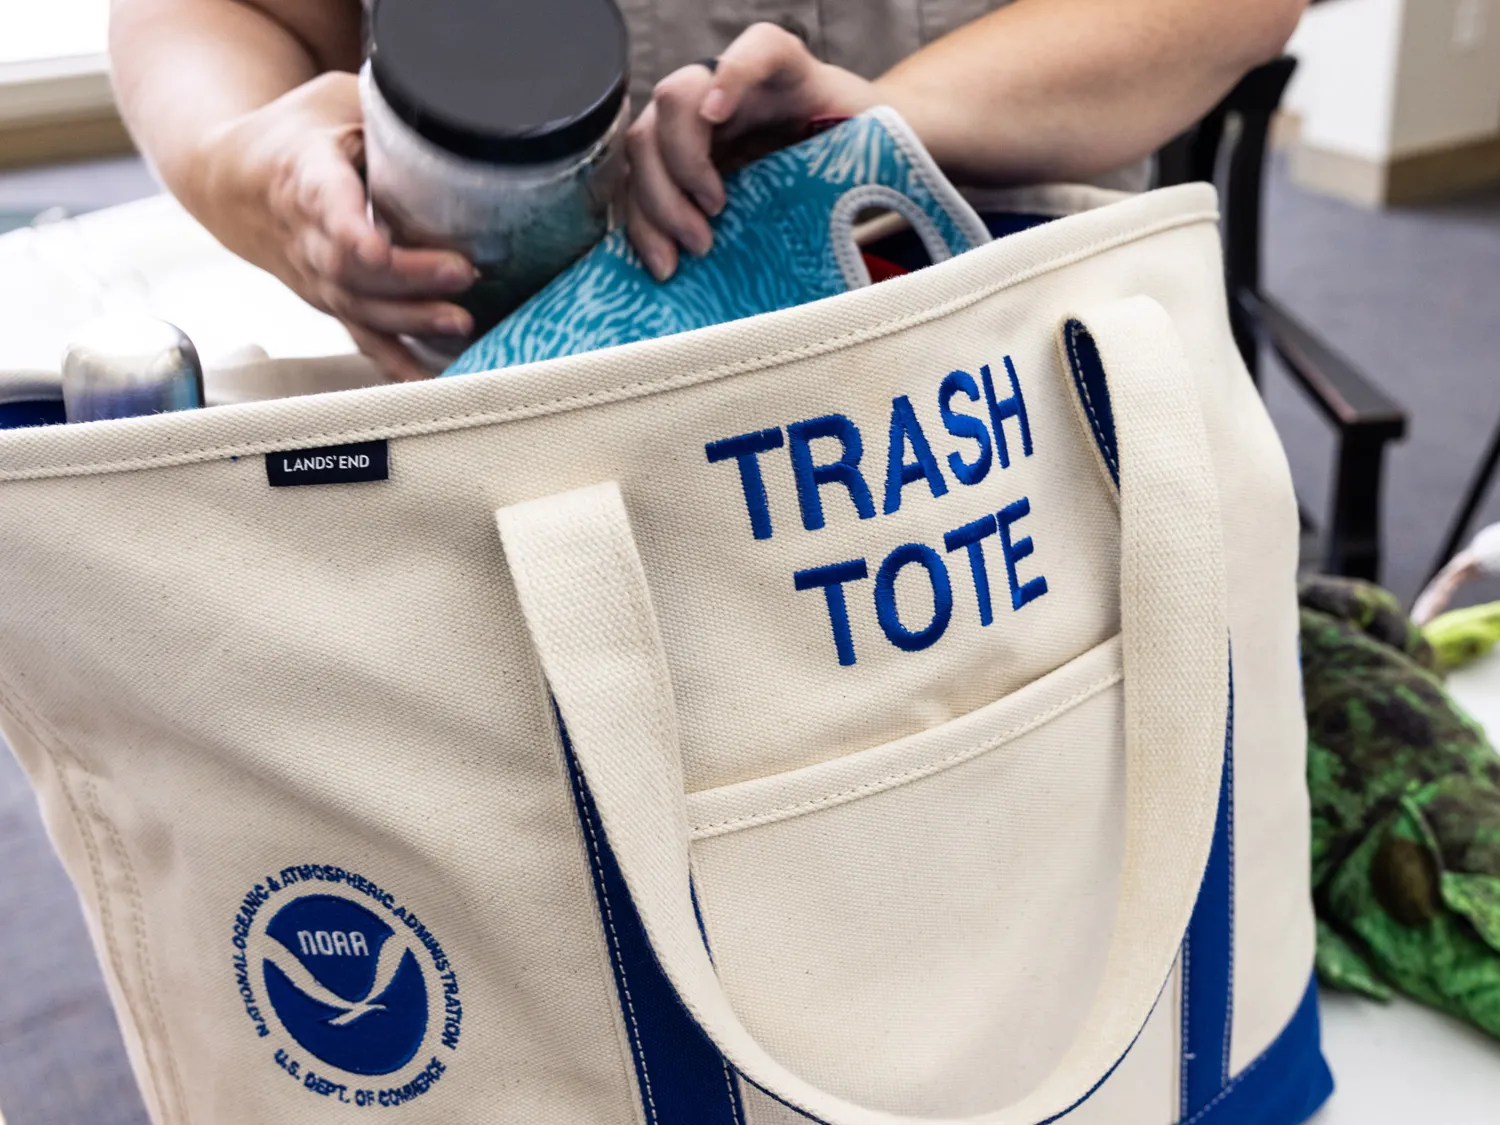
{"type": "Point", "coordinates": [865, 36]}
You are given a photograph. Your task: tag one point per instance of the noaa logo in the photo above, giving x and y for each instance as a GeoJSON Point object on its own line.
{"type": "Point", "coordinates": [345, 985]}
{"type": "Point", "coordinates": [357, 982]}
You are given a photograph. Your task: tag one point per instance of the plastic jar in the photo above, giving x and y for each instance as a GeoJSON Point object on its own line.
{"type": "Point", "coordinates": [496, 128]}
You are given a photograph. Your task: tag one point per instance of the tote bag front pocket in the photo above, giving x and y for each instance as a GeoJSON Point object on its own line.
{"type": "Point", "coordinates": [995, 838]}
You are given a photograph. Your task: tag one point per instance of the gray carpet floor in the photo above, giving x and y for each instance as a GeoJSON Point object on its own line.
{"type": "Point", "coordinates": [1412, 296]}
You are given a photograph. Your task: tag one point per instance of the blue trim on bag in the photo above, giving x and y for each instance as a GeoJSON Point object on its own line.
{"type": "Point", "coordinates": [1214, 912]}
{"type": "Point", "coordinates": [39, 412]}
{"type": "Point", "coordinates": [1000, 224]}
{"type": "Point", "coordinates": [681, 1077]}
{"type": "Point", "coordinates": [1093, 392]}
{"type": "Point", "coordinates": [1207, 958]}
{"type": "Point", "coordinates": [1285, 1085]}
{"type": "Point", "coordinates": [1208, 954]}
{"type": "Point", "coordinates": [684, 1080]}
{"type": "Point", "coordinates": [906, 249]}
{"type": "Point", "coordinates": [1289, 1080]}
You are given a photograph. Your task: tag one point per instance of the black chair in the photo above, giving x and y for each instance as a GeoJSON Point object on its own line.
{"type": "Point", "coordinates": [1228, 148]}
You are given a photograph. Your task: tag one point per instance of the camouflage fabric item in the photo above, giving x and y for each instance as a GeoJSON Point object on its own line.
{"type": "Point", "coordinates": [1405, 811]}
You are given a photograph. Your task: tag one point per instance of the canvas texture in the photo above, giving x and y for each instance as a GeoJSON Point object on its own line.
{"type": "Point", "coordinates": [877, 710]}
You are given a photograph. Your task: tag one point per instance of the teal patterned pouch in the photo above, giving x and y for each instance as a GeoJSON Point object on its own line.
{"type": "Point", "coordinates": [784, 238]}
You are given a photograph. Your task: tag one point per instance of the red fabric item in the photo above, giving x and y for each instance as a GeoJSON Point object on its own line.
{"type": "Point", "coordinates": [881, 269]}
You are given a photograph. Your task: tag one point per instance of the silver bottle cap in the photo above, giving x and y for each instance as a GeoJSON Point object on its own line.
{"type": "Point", "coordinates": [119, 367]}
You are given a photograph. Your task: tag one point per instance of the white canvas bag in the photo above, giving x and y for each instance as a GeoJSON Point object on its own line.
{"type": "Point", "coordinates": [753, 771]}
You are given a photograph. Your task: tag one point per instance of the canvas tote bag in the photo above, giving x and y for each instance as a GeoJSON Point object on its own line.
{"type": "Point", "coordinates": [879, 711]}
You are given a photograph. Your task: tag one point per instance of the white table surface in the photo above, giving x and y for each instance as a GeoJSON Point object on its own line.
{"type": "Point", "coordinates": [1401, 1063]}
{"type": "Point", "coordinates": [147, 257]}
{"type": "Point", "coordinates": [1395, 1064]}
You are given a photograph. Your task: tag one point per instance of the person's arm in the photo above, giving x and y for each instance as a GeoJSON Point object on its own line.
{"type": "Point", "coordinates": [1041, 90]}
{"type": "Point", "coordinates": [1067, 89]}
{"type": "Point", "coordinates": [249, 111]}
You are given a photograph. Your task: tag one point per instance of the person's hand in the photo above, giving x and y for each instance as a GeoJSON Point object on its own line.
{"type": "Point", "coordinates": [768, 86]}
{"type": "Point", "coordinates": [279, 186]}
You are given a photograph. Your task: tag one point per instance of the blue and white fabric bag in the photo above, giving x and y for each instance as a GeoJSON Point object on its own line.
{"type": "Point", "coordinates": [876, 711]}
{"type": "Point", "coordinates": [786, 237]}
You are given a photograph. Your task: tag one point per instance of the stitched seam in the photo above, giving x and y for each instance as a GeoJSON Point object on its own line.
{"type": "Point", "coordinates": [602, 950]}
{"type": "Point", "coordinates": [923, 167]}
{"type": "Point", "coordinates": [666, 717]}
{"type": "Point", "coordinates": [628, 562]}
{"type": "Point", "coordinates": [142, 945]}
{"type": "Point", "coordinates": [905, 776]}
{"type": "Point", "coordinates": [1187, 1039]}
{"type": "Point", "coordinates": [1088, 401]}
{"type": "Point", "coordinates": [1227, 1090]}
{"type": "Point", "coordinates": [1088, 405]}
{"type": "Point", "coordinates": [736, 1105]}
{"type": "Point", "coordinates": [53, 746]}
{"type": "Point", "coordinates": [614, 938]}
{"type": "Point", "coordinates": [734, 1102]}
{"type": "Point", "coordinates": [640, 388]}
{"type": "Point", "coordinates": [1229, 782]}
{"type": "Point", "coordinates": [846, 255]}
{"type": "Point", "coordinates": [1081, 383]}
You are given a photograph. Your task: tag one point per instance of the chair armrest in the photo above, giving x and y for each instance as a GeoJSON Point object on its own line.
{"type": "Point", "coordinates": [1366, 418]}
{"type": "Point", "coordinates": [1340, 391]}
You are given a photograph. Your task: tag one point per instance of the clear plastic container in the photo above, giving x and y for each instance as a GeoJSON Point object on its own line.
{"type": "Point", "coordinates": [496, 128]}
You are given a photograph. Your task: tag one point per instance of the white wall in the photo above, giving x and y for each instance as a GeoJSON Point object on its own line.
{"type": "Point", "coordinates": [1448, 76]}
{"type": "Point", "coordinates": [1345, 86]}
{"type": "Point", "coordinates": [48, 29]}
{"type": "Point", "coordinates": [1384, 78]}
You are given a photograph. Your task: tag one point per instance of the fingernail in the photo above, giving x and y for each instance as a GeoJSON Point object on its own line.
{"type": "Point", "coordinates": [459, 273]}
{"type": "Point", "coordinates": [708, 204]}
{"type": "Point", "coordinates": [701, 244]}
{"type": "Point", "coordinates": [715, 106]}
{"type": "Point", "coordinates": [455, 324]}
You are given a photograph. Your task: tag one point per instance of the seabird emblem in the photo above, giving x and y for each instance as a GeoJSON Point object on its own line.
{"type": "Point", "coordinates": [392, 953]}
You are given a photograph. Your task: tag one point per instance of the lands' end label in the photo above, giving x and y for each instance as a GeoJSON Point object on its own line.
{"type": "Point", "coordinates": [333, 464]}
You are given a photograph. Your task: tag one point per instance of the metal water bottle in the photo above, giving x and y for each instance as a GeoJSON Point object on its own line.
{"type": "Point", "coordinates": [119, 367]}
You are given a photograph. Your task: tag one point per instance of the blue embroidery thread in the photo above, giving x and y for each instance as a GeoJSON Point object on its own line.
{"type": "Point", "coordinates": [746, 450]}
{"type": "Point", "coordinates": [1001, 409]}
{"type": "Point", "coordinates": [885, 597]}
{"type": "Point", "coordinates": [844, 470]}
{"type": "Point", "coordinates": [964, 426]}
{"type": "Point", "coordinates": [972, 536]}
{"type": "Point", "coordinates": [831, 579]}
{"type": "Point", "coordinates": [1015, 552]}
{"type": "Point", "coordinates": [898, 471]}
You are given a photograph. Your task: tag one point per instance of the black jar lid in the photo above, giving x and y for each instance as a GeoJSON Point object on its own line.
{"type": "Point", "coordinates": [502, 81]}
